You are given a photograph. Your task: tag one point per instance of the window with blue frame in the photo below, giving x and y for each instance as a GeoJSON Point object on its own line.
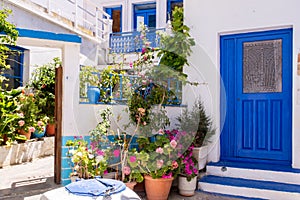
{"type": "Point", "coordinates": [146, 14]}
{"type": "Point", "coordinates": [172, 4]}
{"type": "Point", "coordinates": [116, 15]}
{"type": "Point", "coordinates": [14, 75]}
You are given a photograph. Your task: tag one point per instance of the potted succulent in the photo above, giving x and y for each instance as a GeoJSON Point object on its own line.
{"type": "Point", "coordinates": [198, 123]}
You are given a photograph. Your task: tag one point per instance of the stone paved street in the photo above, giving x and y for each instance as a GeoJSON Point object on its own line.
{"type": "Point", "coordinates": [29, 180]}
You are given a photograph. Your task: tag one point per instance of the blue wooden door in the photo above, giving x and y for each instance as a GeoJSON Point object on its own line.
{"type": "Point", "coordinates": [257, 72]}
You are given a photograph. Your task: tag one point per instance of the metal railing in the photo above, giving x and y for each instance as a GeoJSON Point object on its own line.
{"type": "Point", "coordinates": [120, 94]}
{"type": "Point", "coordinates": [85, 15]}
{"type": "Point", "coordinates": [128, 42]}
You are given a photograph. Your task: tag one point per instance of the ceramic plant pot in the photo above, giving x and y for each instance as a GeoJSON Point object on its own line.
{"type": "Point", "coordinates": [93, 94]}
{"type": "Point", "coordinates": [157, 189]}
{"type": "Point", "coordinates": [50, 129]}
{"type": "Point", "coordinates": [26, 134]}
{"type": "Point", "coordinates": [185, 187]}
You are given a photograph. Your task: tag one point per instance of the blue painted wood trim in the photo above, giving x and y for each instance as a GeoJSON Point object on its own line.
{"type": "Point", "coordinates": [227, 135]}
{"type": "Point", "coordinates": [49, 35]}
{"type": "Point", "coordinates": [238, 182]}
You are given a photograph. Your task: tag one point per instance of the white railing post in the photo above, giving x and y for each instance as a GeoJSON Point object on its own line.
{"type": "Point", "coordinates": [107, 30]}
{"type": "Point", "coordinates": [97, 23]}
{"type": "Point", "coordinates": [76, 14]}
{"type": "Point", "coordinates": [49, 6]}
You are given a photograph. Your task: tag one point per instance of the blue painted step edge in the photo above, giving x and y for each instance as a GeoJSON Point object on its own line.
{"type": "Point", "coordinates": [238, 182]}
{"type": "Point", "coordinates": [246, 165]}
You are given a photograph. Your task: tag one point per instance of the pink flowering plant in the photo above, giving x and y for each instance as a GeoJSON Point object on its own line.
{"type": "Point", "coordinates": [27, 112]}
{"type": "Point", "coordinates": [188, 164]}
{"type": "Point", "coordinates": [157, 157]}
{"type": "Point", "coordinates": [86, 162]}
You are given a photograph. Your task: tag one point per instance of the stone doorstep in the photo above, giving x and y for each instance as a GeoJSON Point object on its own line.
{"type": "Point", "coordinates": [25, 152]}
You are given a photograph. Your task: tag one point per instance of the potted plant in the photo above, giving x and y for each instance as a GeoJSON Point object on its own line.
{"type": "Point", "coordinates": [157, 160]}
{"type": "Point", "coordinates": [43, 84]}
{"type": "Point", "coordinates": [198, 123]}
{"type": "Point", "coordinates": [89, 83]}
{"type": "Point", "coordinates": [27, 112]}
{"type": "Point", "coordinates": [188, 169]}
{"type": "Point", "coordinates": [86, 163]}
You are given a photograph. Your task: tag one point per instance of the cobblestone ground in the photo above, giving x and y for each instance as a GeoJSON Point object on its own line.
{"type": "Point", "coordinates": [29, 180]}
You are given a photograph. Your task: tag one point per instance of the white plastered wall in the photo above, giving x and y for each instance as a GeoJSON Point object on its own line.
{"type": "Point", "coordinates": [70, 61]}
{"type": "Point", "coordinates": [127, 11]}
{"type": "Point", "coordinates": [210, 19]}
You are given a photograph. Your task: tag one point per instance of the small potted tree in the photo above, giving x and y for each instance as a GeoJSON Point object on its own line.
{"type": "Point", "coordinates": [198, 123]}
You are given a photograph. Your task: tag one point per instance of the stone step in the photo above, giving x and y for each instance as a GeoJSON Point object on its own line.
{"type": "Point", "coordinates": [255, 171]}
{"type": "Point", "coordinates": [249, 188]}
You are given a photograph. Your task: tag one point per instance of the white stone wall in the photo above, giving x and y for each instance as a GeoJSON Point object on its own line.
{"type": "Point", "coordinates": [25, 152]}
{"type": "Point", "coordinates": [210, 19]}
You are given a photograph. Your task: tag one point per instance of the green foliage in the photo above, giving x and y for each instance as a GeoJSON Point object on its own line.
{"type": "Point", "coordinates": [196, 121]}
{"type": "Point", "coordinates": [108, 80]}
{"type": "Point", "coordinates": [102, 128]}
{"type": "Point", "coordinates": [157, 158]}
{"type": "Point", "coordinates": [8, 114]}
{"type": "Point", "coordinates": [176, 47]}
{"type": "Point", "coordinates": [43, 84]}
{"type": "Point", "coordinates": [86, 163]}
{"type": "Point", "coordinates": [10, 37]}
{"type": "Point", "coordinates": [88, 76]}
{"type": "Point", "coordinates": [28, 111]}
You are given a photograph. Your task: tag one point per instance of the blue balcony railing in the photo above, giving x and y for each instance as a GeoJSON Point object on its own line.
{"type": "Point", "coordinates": [120, 94]}
{"type": "Point", "coordinates": [128, 42]}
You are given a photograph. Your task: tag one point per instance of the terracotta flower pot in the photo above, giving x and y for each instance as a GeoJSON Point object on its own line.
{"type": "Point", "coordinates": [27, 134]}
{"type": "Point", "coordinates": [50, 129]}
{"type": "Point", "coordinates": [130, 185]}
{"type": "Point", "coordinates": [157, 189]}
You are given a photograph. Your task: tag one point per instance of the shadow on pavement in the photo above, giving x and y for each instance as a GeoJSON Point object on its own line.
{"type": "Point", "coordinates": [21, 189]}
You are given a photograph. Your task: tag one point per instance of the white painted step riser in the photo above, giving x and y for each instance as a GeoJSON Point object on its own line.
{"type": "Point", "coordinates": [255, 174]}
{"type": "Point", "coordinates": [248, 192]}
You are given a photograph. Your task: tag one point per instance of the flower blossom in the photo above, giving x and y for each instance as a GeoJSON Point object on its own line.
{"type": "Point", "coordinates": [116, 153]}
{"type": "Point", "coordinates": [167, 175]}
{"type": "Point", "coordinates": [126, 170]}
{"type": "Point", "coordinates": [100, 152]}
{"type": "Point", "coordinates": [173, 144]}
{"type": "Point", "coordinates": [39, 123]}
{"type": "Point", "coordinates": [21, 122]}
{"type": "Point", "coordinates": [159, 163]}
{"type": "Point", "coordinates": [132, 158]}
{"type": "Point", "coordinates": [161, 131]}
{"type": "Point", "coordinates": [99, 159]}
{"type": "Point", "coordinates": [174, 165]}
{"type": "Point", "coordinates": [160, 150]}
{"type": "Point", "coordinates": [31, 129]}
{"type": "Point", "coordinates": [130, 64]}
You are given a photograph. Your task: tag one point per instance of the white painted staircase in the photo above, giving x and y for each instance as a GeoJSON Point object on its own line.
{"type": "Point", "coordinates": [254, 181]}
